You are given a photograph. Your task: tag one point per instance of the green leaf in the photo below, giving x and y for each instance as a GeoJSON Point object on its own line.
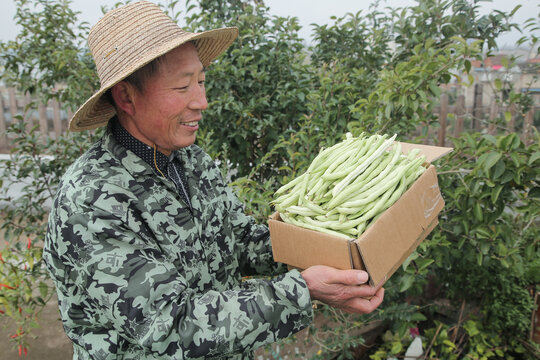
{"type": "Point", "coordinates": [479, 258]}
{"type": "Point", "coordinates": [477, 211]}
{"type": "Point", "coordinates": [495, 193]}
{"type": "Point", "coordinates": [396, 347]}
{"type": "Point", "coordinates": [482, 232]}
{"type": "Point", "coordinates": [492, 139]}
{"type": "Point", "coordinates": [422, 265]}
{"type": "Point", "coordinates": [515, 159]}
{"type": "Point", "coordinates": [502, 250]}
{"type": "Point", "coordinates": [406, 282]}
{"type": "Point", "coordinates": [484, 248]}
{"type": "Point", "coordinates": [435, 89]}
{"type": "Point", "coordinates": [471, 328]}
{"type": "Point", "coordinates": [486, 161]}
{"type": "Point", "coordinates": [534, 192]}
{"type": "Point", "coordinates": [449, 344]}
{"type": "Point", "coordinates": [499, 169]}
{"type": "Point", "coordinates": [43, 290]}
{"type": "Point", "coordinates": [467, 66]}
{"type": "Point", "coordinates": [410, 258]}
{"type": "Point", "coordinates": [534, 157]}
{"type": "Point", "coordinates": [418, 317]}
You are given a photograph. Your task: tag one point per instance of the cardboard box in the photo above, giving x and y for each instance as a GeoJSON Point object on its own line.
{"type": "Point", "coordinates": [384, 246]}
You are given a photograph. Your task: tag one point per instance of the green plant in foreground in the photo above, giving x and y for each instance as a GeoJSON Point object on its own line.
{"type": "Point", "coordinates": [468, 340]}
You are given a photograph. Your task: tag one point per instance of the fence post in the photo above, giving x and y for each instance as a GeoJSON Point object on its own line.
{"type": "Point", "coordinates": [3, 137]}
{"type": "Point", "coordinates": [492, 115]}
{"type": "Point", "coordinates": [460, 115]}
{"type": "Point", "coordinates": [443, 114]}
{"type": "Point", "coordinates": [527, 126]}
{"type": "Point", "coordinates": [43, 128]}
{"type": "Point", "coordinates": [69, 116]}
{"type": "Point", "coordinates": [477, 107]}
{"type": "Point", "coordinates": [12, 103]}
{"type": "Point", "coordinates": [56, 120]}
{"type": "Point", "coordinates": [512, 123]}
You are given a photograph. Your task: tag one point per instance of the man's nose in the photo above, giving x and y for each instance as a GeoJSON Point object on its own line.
{"type": "Point", "coordinates": [198, 101]}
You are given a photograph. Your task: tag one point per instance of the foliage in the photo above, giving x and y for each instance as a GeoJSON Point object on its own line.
{"type": "Point", "coordinates": [257, 89]}
{"type": "Point", "coordinates": [485, 251]}
{"type": "Point", "coordinates": [361, 41]}
{"type": "Point", "coordinates": [490, 226]}
{"type": "Point", "coordinates": [24, 282]}
{"type": "Point", "coordinates": [442, 21]}
{"type": "Point", "coordinates": [405, 95]}
{"type": "Point", "coordinates": [445, 342]}
{"type": "Point", "coordinates": [49, 52]}
{"type": "Point", "coordinates": [47, 60]}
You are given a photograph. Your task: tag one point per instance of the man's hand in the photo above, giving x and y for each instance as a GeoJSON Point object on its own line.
{"type": "Point", "coordinates": [343, 289]}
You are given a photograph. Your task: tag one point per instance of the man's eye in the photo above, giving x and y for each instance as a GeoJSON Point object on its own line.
{"type": "Point", "coordinates": [202, 82]}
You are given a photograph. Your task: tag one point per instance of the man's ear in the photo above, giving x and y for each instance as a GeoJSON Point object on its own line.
{"type": "Point", "coordinates": [123, 96]}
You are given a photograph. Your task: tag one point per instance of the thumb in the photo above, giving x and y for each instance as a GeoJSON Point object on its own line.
{"type": "Point", "coordinates": [352, 277]}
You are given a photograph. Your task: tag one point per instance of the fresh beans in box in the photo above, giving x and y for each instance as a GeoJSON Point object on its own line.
{"type": "Point", "coordinates": [347, 186]}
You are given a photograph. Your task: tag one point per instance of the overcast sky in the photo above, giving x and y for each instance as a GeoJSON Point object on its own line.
{"type": "Point", "coordinates": [307, 12]}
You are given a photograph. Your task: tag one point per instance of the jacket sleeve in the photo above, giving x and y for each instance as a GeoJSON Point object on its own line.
{"type": "Point", "coordinates": [121, 281]}
{"type": "Point", "coordinates": [254, 248]}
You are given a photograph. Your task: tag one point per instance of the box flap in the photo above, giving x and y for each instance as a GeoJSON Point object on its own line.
{"type": "Point", "coordinates": [432, 153]}
{"type": "Point", "coordinates": [303, 247]}
{"type": "Point", "coordinates": [401, 228]}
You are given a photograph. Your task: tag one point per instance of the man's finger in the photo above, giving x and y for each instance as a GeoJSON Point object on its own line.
{"type": "Point", "coordinates": [366, 305]}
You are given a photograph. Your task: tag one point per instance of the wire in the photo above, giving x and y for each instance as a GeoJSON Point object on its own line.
{"type": "Point", "coordinates": [155, 162]}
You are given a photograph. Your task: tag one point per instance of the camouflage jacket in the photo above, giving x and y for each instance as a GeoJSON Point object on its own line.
{"type": "Point", "coordinates": [140, 275]}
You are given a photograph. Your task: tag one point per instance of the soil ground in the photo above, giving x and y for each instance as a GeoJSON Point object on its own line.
{"type": "Point", "coordinates": [51, 342]}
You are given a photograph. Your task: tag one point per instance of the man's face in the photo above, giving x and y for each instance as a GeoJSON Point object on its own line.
{"type": "Point", "coordinates": [168, 109]}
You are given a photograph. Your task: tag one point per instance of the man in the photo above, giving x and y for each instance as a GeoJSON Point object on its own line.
{"type": "Point", "coordinates": [146, 243]}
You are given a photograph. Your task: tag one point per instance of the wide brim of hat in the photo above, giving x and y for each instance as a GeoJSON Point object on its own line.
{"type": "Point", "coordinates": [98, 110]}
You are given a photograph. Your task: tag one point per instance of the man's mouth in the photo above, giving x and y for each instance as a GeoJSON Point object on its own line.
{"type": "Point", "coordinates": [192, 123]}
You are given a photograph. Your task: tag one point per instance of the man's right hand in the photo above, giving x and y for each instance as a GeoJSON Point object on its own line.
{"type": "Point", "coordinates": [347, 290]}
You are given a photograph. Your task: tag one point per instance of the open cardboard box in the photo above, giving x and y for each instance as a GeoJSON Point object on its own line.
{"type": "Point", "coordinates": [384, 246]}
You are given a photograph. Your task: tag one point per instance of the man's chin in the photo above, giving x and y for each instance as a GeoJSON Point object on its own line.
{"type": "Point", "coordinates": [186, 141]}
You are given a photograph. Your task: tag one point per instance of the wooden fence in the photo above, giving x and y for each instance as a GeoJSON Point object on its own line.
{"type": "Point", "coordinates": [479, 118]}
{"type": "Point", "coordinates": [51, 117]}
{"type": "Point", "coordinates": [53, 120]}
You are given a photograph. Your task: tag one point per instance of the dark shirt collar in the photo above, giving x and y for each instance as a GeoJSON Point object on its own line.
{"type": "Point", "coordinates": [158, 161]}
{"type": "Point", "coordinates": [140, 149]}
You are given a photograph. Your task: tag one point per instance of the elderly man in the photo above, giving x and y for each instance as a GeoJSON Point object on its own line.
{"type": "Point", "coordinates": [146, 243]}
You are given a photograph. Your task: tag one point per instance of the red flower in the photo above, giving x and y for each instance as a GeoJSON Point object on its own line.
{"type": "Point", "coordinates": [414, 332]}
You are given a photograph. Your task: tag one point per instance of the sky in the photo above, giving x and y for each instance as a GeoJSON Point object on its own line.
{"type": "Point", "coordinates": [307, 12]}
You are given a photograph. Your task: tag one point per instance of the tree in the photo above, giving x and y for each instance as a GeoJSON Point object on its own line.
{"type": "Point", "coordinates": [257, 90]}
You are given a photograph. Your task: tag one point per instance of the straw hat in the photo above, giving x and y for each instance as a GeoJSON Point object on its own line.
{"type": "Point", "coordinates": [129, 37]}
